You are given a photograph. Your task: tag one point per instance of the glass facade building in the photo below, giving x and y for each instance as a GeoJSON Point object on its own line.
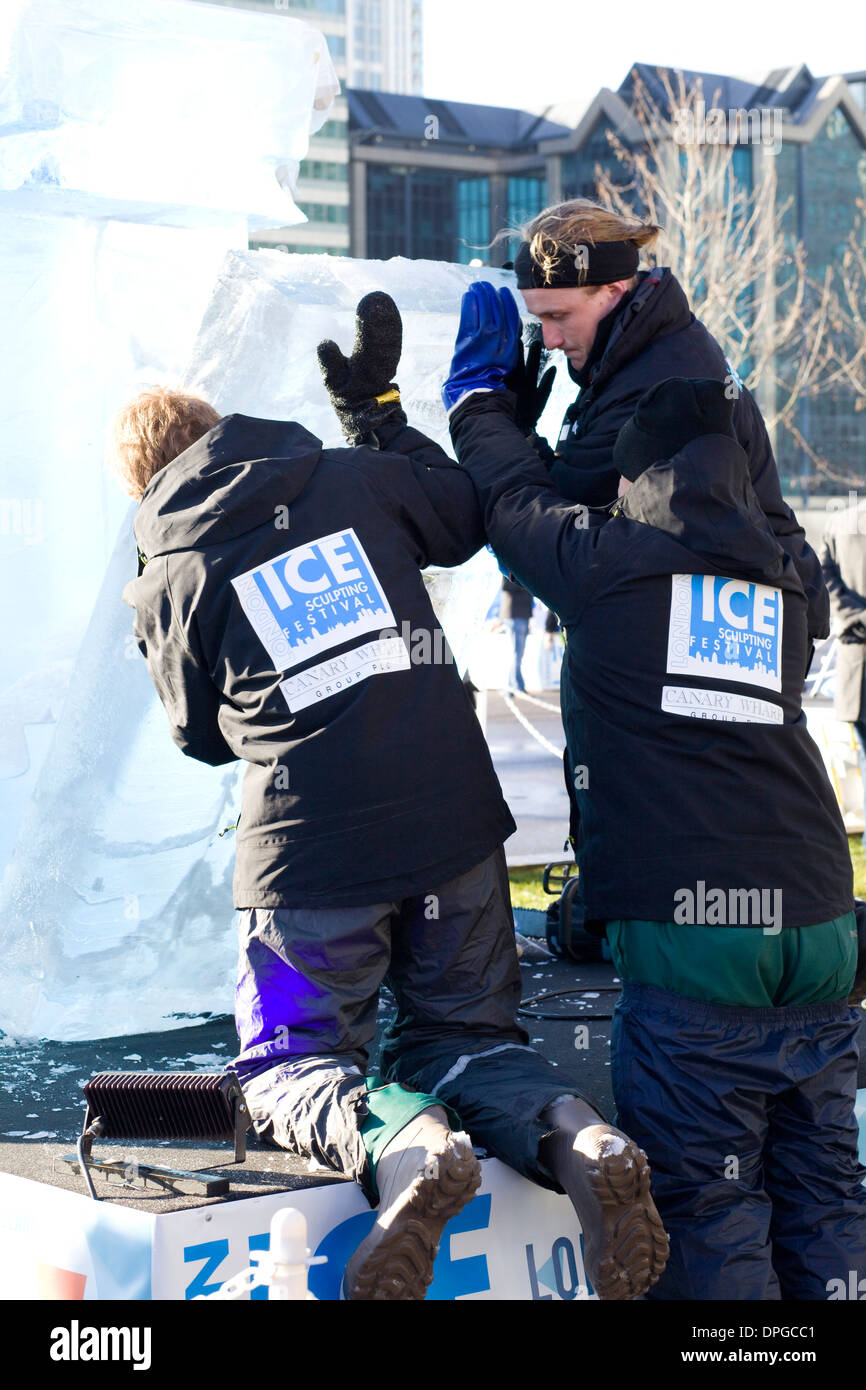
{"type": "Point", "coordinates": [426, 214]}
{"type": "Point", "coordinates": [385, 45]}
{"type": "Point", "coordinates": [527, 195]}
{"type": "Point", "coordinates": [578, 174]}
{"type": "Point", "coordinates": [440, 215]}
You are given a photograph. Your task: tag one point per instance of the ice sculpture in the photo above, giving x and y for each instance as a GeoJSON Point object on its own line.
{"type": "Point", "coordinates": [136, 145]}
{"type": "Point", "coordinates": [162, 103]}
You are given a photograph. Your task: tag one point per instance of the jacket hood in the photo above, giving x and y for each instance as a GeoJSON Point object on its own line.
{"type": "Point", "coordinates": [703, 497]}
{"type": "Point", "coordinates": [657, 307]}
{"type": "Point", "coordinates": [225, 484]}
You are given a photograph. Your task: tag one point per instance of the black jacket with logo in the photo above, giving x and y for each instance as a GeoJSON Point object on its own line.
{"type": "Point", "coordinates": [656, 336]}
{"type": "Point", "coordinates": [285, 621]}
{"type": "Point", "coordinates": [682, 678]}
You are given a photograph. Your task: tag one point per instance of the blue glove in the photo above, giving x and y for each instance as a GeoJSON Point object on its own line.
{"type": "Point", "coordinates": [488, 342]}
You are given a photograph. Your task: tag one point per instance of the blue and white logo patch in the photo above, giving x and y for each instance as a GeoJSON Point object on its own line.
{"type": "Point", "coordinates": [313, 597]}
{"type": "Point", "coordinates": [728, 629]}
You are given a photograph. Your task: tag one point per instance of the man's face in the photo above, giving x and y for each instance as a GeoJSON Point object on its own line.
{"type": "Point", "coordinates": [570, 317]}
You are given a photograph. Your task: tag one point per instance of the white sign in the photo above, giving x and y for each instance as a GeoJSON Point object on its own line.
{"type": "Point", "coordinates": [695, 703]}
{"type": "Point", "coordinates": [330, 677]}
{"type": "Point", "coordinates": [514, 1240]}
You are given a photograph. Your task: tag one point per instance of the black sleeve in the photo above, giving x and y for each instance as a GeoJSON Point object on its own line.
{"type": "Point", "coordinates": [752, 434]}
{"type": "Point", "coordinates": [846, 605]}
{"type": "Point", "coordinates": [534, 530]}
{"type": "Point", "coordinates": [189, 696]}
{"type": "Point", "coordinates": [426, 493]}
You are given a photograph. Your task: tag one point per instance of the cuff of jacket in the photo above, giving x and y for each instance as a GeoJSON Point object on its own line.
{"type": "Point", "coordinates": [482, 402]}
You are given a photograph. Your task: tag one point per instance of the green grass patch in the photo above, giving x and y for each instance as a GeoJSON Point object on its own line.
{"type": "Point", "coordinates": [858, 860]}
{"type": "Point", "coordinates": [526, 889]}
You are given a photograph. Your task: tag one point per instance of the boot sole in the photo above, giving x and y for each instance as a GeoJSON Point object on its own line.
{"type": "Point", "coordinates": [634, 1243]}
{"type": "Point", "coordinates": [396, 1262]}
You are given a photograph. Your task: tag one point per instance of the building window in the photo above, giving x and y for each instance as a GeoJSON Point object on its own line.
{"type": "Point", "coordinates": [527, 195]}
{"type": "Point", "coordinates": [578, 169]}
{"type": "Point", "coordinates": [419, 212]}
{"type": "Point", "coordinates": [326, 212]}
{"type": "Point", "coordinates": [741, 168]}
{"type": "Point", "coordinates": [834, 176]}
{"type": "Point", "coordinates": [333, 130]}
{"type": "Point", "coordinates": [473, 219]}
{"type": "Point", "coordinates": [387, 213]}
{"type": "Point", "coordinates": [324, 169]}
{"type": "Point", "coordinates": [434, 217]}
{"type": "Point", "coordinates": [834, 161]}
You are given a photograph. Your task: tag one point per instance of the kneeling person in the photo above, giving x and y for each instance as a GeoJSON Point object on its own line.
{"type": "Point", "coordinates": [369, 846]}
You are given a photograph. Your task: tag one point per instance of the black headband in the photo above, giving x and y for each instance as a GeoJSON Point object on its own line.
{"type": "Point", "coordinates": [579, 265]}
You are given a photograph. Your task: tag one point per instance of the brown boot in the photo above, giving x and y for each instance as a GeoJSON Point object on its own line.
{"type": "Point", "coordinates": [607, 1178]}
{"type": "Point", "coordinates": [425, 1176]}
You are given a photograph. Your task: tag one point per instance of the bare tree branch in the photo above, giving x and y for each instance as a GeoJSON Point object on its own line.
{"type": "Point", "coordinates": [727, 244]}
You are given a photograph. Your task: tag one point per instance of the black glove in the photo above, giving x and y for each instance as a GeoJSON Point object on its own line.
{"type": "Point", "coordinates": [532, 394]}
{"type": "Point", "coordinates": [361, 388]}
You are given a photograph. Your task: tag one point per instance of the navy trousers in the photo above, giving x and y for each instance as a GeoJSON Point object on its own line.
{"type": "Point", "coordinates": [747, 1118]}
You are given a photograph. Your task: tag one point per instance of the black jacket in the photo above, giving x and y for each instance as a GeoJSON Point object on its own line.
{"type": "Point", "coordinates": [656, 336]}
{"type": "Point", "coordinates": [667, 798]}
{"type": "Point", "coordinates": [369, 776]}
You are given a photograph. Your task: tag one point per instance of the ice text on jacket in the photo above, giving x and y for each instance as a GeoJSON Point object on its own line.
{"type": "Point", "coordinates": [313, 597]}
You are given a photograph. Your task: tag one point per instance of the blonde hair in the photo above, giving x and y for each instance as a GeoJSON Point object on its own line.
{"type": "Point", "coordinates": [151, 430]}
{"type": "Point", "coordinates": [557, 230]}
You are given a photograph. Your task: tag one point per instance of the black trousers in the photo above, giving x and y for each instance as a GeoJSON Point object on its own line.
{"type": "Point", "coordinates": [306, 1009]}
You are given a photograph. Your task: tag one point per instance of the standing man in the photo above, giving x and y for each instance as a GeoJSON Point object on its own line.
{"type": "Point", "coordinates": [844, 565]}
{"type": "Point", "coordinates": [515, 613]}
{"type": "Point", "coordinates": [713, 852]}
{"type": "Point", "coordinates": [276, 577]}
{"type": "Point", "coordinates": [623, 330]}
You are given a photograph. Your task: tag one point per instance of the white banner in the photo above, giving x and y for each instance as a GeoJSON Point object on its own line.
{"type": "Point", "coordinates": [514, 1240]}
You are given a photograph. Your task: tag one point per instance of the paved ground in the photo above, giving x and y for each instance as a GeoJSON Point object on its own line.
{"type": "Point", "coordinates": [531, 774]}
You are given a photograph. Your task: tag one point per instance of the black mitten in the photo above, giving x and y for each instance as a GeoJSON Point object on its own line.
{"type": "Point", "coordinates": [532, 394]}
{"type": "Point", "coordinates": [361, 388]}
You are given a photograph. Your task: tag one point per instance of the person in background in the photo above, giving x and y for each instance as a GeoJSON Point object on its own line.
{"type": "Point", "coordinates": [515, 611]}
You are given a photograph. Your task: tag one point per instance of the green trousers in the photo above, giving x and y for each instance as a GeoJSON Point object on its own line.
{"type": "Point", "coordinates": [739, 965]}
